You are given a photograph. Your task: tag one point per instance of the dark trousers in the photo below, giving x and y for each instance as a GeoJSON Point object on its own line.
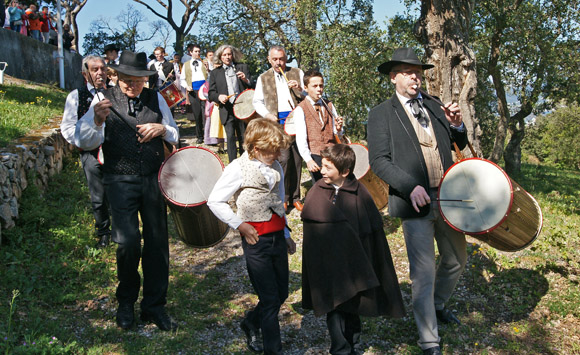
{"type": "Point", "coordinates": [196, 113]}
{"type": "Point", "coordinates": [317, 175]}
{"type": "Point", "coordinates": [94, 174]}
{"type": "Point", "coordinates": [291, 162]}
{"type": "Point", "coordinates": [235, 130]}
{"type": "Point", "coordinates": [344, 329]}
{"type": "Point", "coordinates": [131, 195]}
{"type": "Point", "coordinates": [267, 263]}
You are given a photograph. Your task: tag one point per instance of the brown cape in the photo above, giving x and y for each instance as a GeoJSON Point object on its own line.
{"type": "Point", "coordinates": [346, 262]}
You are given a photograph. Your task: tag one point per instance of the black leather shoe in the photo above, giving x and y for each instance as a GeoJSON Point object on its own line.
{"type": "Point", "coordinates": [104, 241]}
{"type": "Point", "coordinates": [446, 316]}
{"type": "Point", "coordinates": [125, 315]}
{"type": "Point", "coordinates": [161, 319]}
{"type": "Point", "coordinates": [252, 338]}
{"type": "Point", "coordinates": [433, 351]}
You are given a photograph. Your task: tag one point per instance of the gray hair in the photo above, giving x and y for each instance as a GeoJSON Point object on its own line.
{"type": "Point", "coordinates": [276, 48]}
{"type": "Point", "coordinates": [89, 58]}
{"type": "Point", "coordinates": [236, 54]}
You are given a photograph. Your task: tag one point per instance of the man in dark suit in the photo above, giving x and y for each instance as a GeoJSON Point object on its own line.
{"type": "Point", "coordinates": [162, 68]}
{"type": "Point", "coordinates": [410, 138]}
{"type": "Point", "coordinates": [225, 82]}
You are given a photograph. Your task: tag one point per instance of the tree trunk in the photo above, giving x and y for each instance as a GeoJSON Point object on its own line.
{"type": "Point", "coordinates": [443, 28]}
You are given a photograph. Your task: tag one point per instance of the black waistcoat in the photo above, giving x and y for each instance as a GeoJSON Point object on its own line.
{"type": "Point", "coordinates": [85, 99]}
{"type": "Point", "coordinates": [123, 153]}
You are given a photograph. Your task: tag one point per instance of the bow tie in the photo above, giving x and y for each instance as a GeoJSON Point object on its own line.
{"type": "Point", "coordinates": [134, 106]}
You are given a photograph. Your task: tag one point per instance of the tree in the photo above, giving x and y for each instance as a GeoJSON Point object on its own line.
{"type": "Point", "coordinates": [529, 49]}
{"type": "Point", "coordinates": [188, 18]}
{"type": "Point", "coordinates": [72, 9]}
{"type": "Point", "coordinates": [125, 31]}
{"type": "Point", "coordinates": [443, 29]}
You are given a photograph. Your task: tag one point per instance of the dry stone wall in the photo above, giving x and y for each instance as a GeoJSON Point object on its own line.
{"type": "Point", "coordinates": [30, 160]}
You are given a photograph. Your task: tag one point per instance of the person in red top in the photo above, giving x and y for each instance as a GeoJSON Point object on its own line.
{"type": "Point", "coordinates": [34, 22]}
{"type": "Point", "coordinates": [46, 25]}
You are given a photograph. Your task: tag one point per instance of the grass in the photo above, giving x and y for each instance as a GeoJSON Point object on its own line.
{"type": "Point", "coordinates": [23, 109]}
{"type": "Point", "coordinates": [523, 302]}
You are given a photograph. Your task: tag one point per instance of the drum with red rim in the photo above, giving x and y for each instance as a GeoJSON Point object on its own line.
{"type": "Point", "coordinates": [186, 179]}
{"type": "Point", "coordinates": [478, 198]}
{"type": "Point", "coordinates": [378, 189]}
{"type": "Point", "coordinates": [203, 91]}
{"type": "Point", "coordinates": [171, 93]}
{"type": "Point", "coordinates": [289, 127]}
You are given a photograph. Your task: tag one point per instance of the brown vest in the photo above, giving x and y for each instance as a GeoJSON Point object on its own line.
{"type": "Point", "coordinates": [270, 92]}
{"type": "Point", "coordinates": [430, 150]}
{"type": "Point", "coordinates": [319, 135]}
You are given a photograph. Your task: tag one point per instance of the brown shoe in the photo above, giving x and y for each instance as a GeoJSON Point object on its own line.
{"type": "Point", "coordinates": [298, 205]}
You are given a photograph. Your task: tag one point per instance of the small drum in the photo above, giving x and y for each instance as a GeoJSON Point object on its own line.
{"type": "Point", "coordinates": [186, 179]}
{"type": "Point", "coordinates": [476, 197]}
{"type": "Point", "coordinates": [243, 107]}
{"type": "Point", "coordinates": [203, 92]}
{"type": "Point", "coordinates": [289, 127]}
{"type": "Point", "coordinates": [362, 171]}
{"type": "Point", "coordinates": [171, 93]}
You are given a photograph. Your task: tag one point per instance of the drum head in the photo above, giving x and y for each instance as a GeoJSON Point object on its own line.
{"type": "Point", "coordinates": [187, 176]}
{"type": "Point", "coordinates": [203, 91]}
{"type": "Point", "coordinates": [361, 167]}
{"type": "Point", "coordinates": [488, 192]}
{"type": "Point", "coordinates": [289, 126]}
{"type": "Point", "coordinates": [243, 107]}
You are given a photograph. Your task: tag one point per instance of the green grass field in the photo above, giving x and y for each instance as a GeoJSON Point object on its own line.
{"type": "Point", "coordinates": [57, 291]}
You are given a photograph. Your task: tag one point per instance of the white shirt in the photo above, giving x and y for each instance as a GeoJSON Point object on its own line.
{"type": "Point", "coordinates": [301, 132]}
{"type": "Point", "coordinates": [89, 136]}
{"type": "Point", "coordinates": [196, 75]}
{"type": "Point", "coordinates": [283, 93]}
{"type": "Point", "coordinates": [230, 182]}
{"type": "Point", "coordinates": [70, 115]}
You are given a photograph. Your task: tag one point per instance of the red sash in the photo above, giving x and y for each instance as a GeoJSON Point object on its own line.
{"type": "Point", "coordinates": [275, 224]}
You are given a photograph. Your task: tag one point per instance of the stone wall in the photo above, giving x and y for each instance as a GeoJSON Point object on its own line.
{"type": "Point", "coordinates": [31, 160]}
{"type": "Point", "coordinates": [33, 60]}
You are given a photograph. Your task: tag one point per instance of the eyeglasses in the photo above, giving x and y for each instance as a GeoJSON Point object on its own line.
{"type": "Point", "coordinates": [409, 72]}
{"type": "Point", "coordinates": [132, 82]}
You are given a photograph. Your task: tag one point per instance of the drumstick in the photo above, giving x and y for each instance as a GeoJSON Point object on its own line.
{"type": "Point", "coordinates": [451, 200]}
{"type": "Point", "coordinates": [167, 77]}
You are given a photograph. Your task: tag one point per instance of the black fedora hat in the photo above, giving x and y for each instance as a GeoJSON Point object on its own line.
{"type": "Point", "coordinates": [111, 47]}
{"type": "Point", "coordinates": [402, 56]}
{"type": "Point", "coordinates": [131, 63]}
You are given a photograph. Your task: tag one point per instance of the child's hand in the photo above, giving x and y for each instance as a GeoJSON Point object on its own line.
{"type": "Point", "coordinates": [339, 122]}
{"type": "Point", "coordinates": [291, 246]}
{"type": "Point", "coordinates": [249, 232]}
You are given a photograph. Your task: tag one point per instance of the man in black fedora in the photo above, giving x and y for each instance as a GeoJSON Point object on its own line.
{"type": "Point", "coordinates": [111, 52]}
{"type": "Point", "coordinates": [131, 122]}
{"type": "Point", "coordinates": [410, 138]}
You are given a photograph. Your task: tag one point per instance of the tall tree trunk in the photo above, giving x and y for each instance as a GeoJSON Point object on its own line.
{"type": "Point", "coordinates": [443, 28]}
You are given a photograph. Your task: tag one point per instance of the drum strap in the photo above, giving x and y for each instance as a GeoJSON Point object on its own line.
{"type": "Point", "coordinates": [460, 155]}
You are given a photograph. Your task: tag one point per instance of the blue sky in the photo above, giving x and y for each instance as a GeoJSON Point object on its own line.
{"type": "Point", "coordinates": [383, 9]}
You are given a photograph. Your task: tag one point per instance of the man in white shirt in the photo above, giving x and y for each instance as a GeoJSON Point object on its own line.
{"type": "Point", "coordinates": [132, 123]}
{"type": "Point", "coordinates": [163, 69]}
{"type": "Point", "coordinates": [77, 103]}
{"type": "Point", "coordinates": [278, 92]}
{"type": "Point", "coordinates": [192, 79]}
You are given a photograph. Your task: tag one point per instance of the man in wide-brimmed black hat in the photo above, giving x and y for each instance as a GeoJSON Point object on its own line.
{"type": "Point", "coordinates": [131, 122]}
{"type": "Point", "coordinates": [410, 137]}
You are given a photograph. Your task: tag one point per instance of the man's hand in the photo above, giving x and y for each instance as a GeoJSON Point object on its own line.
{"type": "Point", "coordinates": [312, 166]}
{"type": "Point", "coordinates": [419, 197]}
{"type": "Point", "coordinates": [452, 114]}
{"type": "Point", "coordinates": [291, 246]}
{"type": "Point", "coordinates": [249, 233]}
{"type": "Point", "coordinates": [223, 98]}
{"type": "Point", "coordinates": [293, 84]}
{"type": "Point", "coordinates": [150, 131]}
{"type": "Point", "coordinates": [102, 110]}
{"type": "Point", "coordinates": [242, 77]}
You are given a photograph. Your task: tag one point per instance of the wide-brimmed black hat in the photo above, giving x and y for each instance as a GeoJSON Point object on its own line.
{"type": "Point", "coordinates": [402, 56]}
{"type": "Point", "coordinates": [111, 47]}
{"type": "Point", "coordinates": [133, 64]}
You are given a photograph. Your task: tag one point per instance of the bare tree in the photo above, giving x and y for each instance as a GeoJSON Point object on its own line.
{"type": "Point", "coordinates": [72, 9]}
{"type": "Point", "coordinates": [188, 19]}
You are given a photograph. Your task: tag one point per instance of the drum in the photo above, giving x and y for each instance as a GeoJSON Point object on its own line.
{"type": "Point", "coordinates": [362, 171]}
{"type": "Point", "coordinates": [186, 179]}
{"type": "Point", "coordinates": [203, 91]}
{"type": "Point", "coordinates": [243, 107]}
{"type": "Point", "coordinates": [171, 93]}
{"type": "Point", "coordinates": [289, 127]}
{"type": "Point", "coordinates": [476, 197]}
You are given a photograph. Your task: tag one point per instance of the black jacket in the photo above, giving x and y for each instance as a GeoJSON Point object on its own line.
{"type": "Point", "coordinates": [395, 154]}
{"type": "Point", "coordinates": [218, 86]}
